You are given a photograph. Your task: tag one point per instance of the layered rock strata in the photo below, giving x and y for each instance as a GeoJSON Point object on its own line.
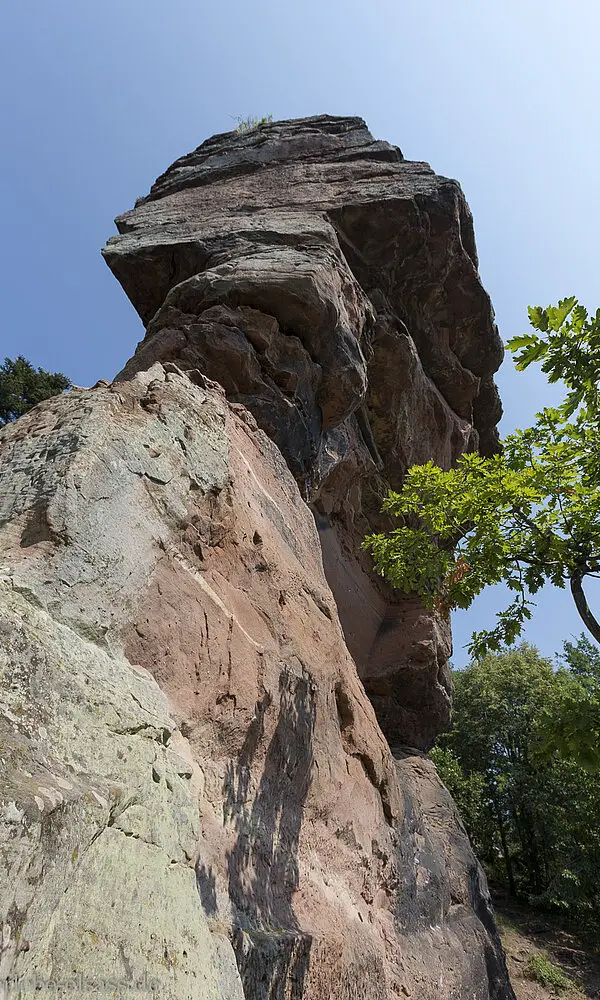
{"type": "Point", "coordinates": [330, 287]}
{"type": "Point", "coordinates": [196, 794]}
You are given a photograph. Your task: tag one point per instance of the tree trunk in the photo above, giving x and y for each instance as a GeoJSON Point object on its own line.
{"type": "Point", "coordinates": [582, 605]}
{"type": "Point", "coordinates": [505, 851]}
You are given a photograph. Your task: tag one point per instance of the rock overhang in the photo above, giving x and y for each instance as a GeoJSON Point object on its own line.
{"type": "Point", "coordinates": [323, 191]}
{"type": "Point", "coordinates": [331, 287]}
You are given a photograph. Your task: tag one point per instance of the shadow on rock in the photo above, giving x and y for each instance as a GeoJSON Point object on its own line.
{"type": "Point", "coordinates": [207, 889]}
{"type": "Point", "coordinates": [271, 950]}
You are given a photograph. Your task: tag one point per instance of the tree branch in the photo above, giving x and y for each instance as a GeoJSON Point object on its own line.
{"type": "Point", "coordinates": [582, 606]}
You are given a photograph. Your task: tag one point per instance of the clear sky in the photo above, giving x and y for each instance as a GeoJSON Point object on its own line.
{"type": "Point", "coordinates": [98, 96]}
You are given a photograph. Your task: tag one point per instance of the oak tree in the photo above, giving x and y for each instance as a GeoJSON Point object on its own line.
{"type": "Point", "coordinates": [527, 516]}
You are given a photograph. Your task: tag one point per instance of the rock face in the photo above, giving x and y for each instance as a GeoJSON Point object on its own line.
{"type": "Point", "coordinates": [200, 680]}
{"type": "Point", "coordinates": [331, 288]}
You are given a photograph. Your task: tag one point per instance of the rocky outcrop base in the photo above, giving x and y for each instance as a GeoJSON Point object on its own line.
{"type": "Point", "coordinates": [195, 792]}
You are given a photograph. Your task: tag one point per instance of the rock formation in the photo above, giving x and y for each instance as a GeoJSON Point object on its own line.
{"type": "Point", "coordinates": [201, 678]}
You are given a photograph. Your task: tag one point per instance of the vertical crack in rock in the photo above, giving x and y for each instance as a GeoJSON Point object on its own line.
{"type": "Point", "coordinates": [200, 678]}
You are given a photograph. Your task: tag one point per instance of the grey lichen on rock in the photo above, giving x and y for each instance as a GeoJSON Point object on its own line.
{"type": "Point", "coordinates": [100, 820]}
{"type": "Point", "coordinates": [99, 825]}
{"type": "Point", "coordinates": [200, 679]}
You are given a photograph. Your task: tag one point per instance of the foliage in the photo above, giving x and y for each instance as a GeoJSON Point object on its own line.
{"type": "Point", "coordinates": [569, 351]}
{"type": "Point", "coordinates": [582, 658]}
{"type": "Point", "coordinates": [571, 724]}
{"type": "Point", "coordinates": [533, 817]}
{"type": "Point", "coordinates": [247, 124]}
{"type": "Point", "coordinates": [22, 386]}
{"type": "Point", "coordinates": [527, 516]}
{"type": "Point", "coordinates": [547, 974]}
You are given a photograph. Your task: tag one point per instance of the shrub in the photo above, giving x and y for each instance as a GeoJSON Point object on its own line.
{"type": "Point", "coordinates": [247, 124]}
{"type": "Point", "coordinates": [543, 971]}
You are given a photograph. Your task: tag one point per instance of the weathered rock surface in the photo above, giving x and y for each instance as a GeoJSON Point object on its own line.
{"type": "Point", "coordinates": [191, 770]}
{"type": "Point", "coordinates": [331, 287]}
{"type": "Point", "coordinates": [324, 231]}
{"type": "Point", "coordinates": [196, 795]}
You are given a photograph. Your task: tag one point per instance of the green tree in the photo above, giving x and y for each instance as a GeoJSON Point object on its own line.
{"type": "Point", "coordinates": [497, 702]}
{"type": "Point", "coordinates": [582, 658]}
{"type": "Point", "coordinates": [22, 386]}
{"type": "Point", "coordinates": [527, 516]}
{"type": "Point", "coordinates": [534, 820]}
{"type": "Point", "coordinates": [570, 724]}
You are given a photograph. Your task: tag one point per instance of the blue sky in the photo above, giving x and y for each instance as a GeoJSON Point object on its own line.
{"type": "Point", "coordinates": [99, 96]}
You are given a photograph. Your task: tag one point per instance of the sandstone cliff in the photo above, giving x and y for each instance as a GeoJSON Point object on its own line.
{"type": "Point", "coordinates": [201, 679]}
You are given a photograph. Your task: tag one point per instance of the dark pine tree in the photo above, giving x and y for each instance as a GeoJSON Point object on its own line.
{"type": "Point", "coordinates": [22, 386]}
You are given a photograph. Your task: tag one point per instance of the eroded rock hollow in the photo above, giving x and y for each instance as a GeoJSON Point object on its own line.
{"type": "Point", "coordinates": [213, 717]}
